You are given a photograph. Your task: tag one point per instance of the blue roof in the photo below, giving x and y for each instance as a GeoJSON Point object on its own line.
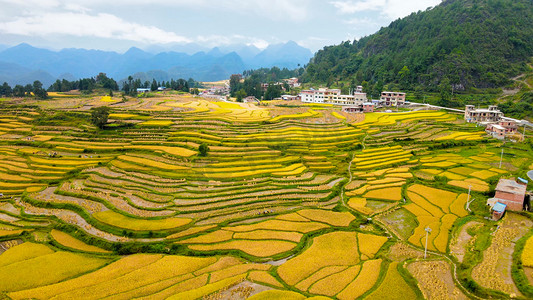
{"type": "Point", "coordinates": [522, 180]}
{"type": "Point", "coordinates": [499, 207]}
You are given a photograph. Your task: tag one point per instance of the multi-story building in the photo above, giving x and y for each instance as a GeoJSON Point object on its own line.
{"type": "Point", "coordinates": [392, 98]}
{"type": "Point", "coordinates": [332, 96]}
{"type": "Point", "coordinates": [490, 115]}
{"type": "Point", "coordinates": [502, 129]}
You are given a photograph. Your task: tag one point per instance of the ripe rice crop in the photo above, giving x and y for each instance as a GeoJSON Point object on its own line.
{"type": "Point", "coordinates": [426, 205]}
{"type": "Point", "coordinates": [64, 162]}
{"type": "Point", "coordinates": [264, 277]}
{"type": "Point", "coordinates": [118, 220]}
{"type": "Point", "coordinates": [190, 231]}
{"type": "Point", "coordinates": [366, 279]}
{"type": "Point", "coordinates": [10, 177]}
{"type": "Point", "coordinates": [329, 217]}
{"type": "Point", "coordinates": [399, 175]}
{"type": "Point", "coordinates": [222, 263]}
{"type": "Point", "coordinates": [23, 252]}
{"type": "Point", "coordinates": [106, 99]}
{"type": "Point", "coordinates": [71, 242]}
{"type": "Point", "coordinates": [331, 249]}
{"type": "Point", "coordinates": [476, 184]}
{"type": "Point", "coordinates": [309, 114]}
{"type": "Point", "coordinates": [157, 123]}
{"type": "Point", "coordinates": [165, 268]}
{"type": "Point", "coordinates": [458, 206]}
{"type": "Point", "coordinates": [228, 105]}
{"type": "Point", "coordinates": [418, 236]}
{"type": "Point", "coordinates": [277, 294]}
{"type": "Point", "coordinates": [236, 270]}
{"type": "Point", "coordinates": [462, 170]}
{"type": "Point", "coordinates": [209, 238]}
{"type": "Point", "coordinates": [338, 116]}
{"type": "Point", "coordinates": [484, 174]}
{"type": "Point", "coordinates": [151, 163]}
{"type": "Point", "coordinates": [115, 270]}
{"type": "Point", "coordinates": [386, 180]}
{"type": "Point", "coordinates": [452, 176]}
{"type": "Point", "coordinates": [125, 116]}
{"type": "Point", "coordinates": [370, 244]}
{"type": "Point", "coordinates": [393, 286]}
{"type": "Point", "coordinates": [9, 232]}
{"type": "Point", "coordinates": [322, 273]}
{"type": "Point", "coordinates": [333, 284]}
{"type": "Point", "coordinates": [251, 247]}
{"type": "Point", "coordinates": [399, 159]}
{"type": "Point", "coordinates": [392, 193]}
{"type": "Point", "coordinates": [527, 253]}
{"type": "Point", "coordinates": [359, 204]}
{"type": "Point", "coordinates": [175, 284]}
{"type": "Point", "coordinates": [417, 210]}
{"type": "Point", "coordinates": [441, 198]}
{"type": "Point", "coordinates": [303, 227]}
{"type": "Point", "coordinates": [29, 273]}
{"type": "Point", "coordinates": [294, 217]}
{"type": "Point", "coordinates": [442, 164]}
{"type": "Point", "coordinates": [441, 241]}
{"type": "Point", "coordinates": [245, 171]}
{"type": "Point", "coordinates": [269, 235]}
{"type": "Point", "coordinates": [462, 136]}
{"type": "Point", "coordinates": [170, 150]}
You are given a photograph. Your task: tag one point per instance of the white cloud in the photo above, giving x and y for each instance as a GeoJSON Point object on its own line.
{"type": "Point", "coordinates": [294, 10]}
{"type": "Point", "coordinates": [100, 25]}
{"type": "Point", "coordinates": [224, 40]}
{"type": "Point", "coordinates": [351, 7]}
{"type": "Point", "coordinates": [390, 9]}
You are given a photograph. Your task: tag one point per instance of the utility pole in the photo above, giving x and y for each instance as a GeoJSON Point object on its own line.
{"type": "Point", "coordinates": [428, 230]}
{"type": "Point", "coordinates": [501, 158]}
{"type": "Point", "coordinates": [468, 200]}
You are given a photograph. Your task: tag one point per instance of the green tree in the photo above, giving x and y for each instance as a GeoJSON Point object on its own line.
{"type": "Point", "coordinates": [38, 90]}
{"type": "Point", "coordinates": [445, 89]}
{"type": "Point", "coordinates": [404, 77]}
{"type": "Point", "coordinates": [99, 116]}
{"type": "Point", "coordinates": [203, 149]}
{"type": "Point", "coordinates": [241, 94]}
{"type": "Point", "coordinates": [234, 83]}
{"type": "Point", "coordinates": [18, 91]}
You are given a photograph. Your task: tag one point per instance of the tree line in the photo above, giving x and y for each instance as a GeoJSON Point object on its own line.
{"type": "Point", "coordinates": [30, 90]}
{"type": "Point", "coordinates": [250, 83]}
{"type": "Point", "coordinates": [101, 81]}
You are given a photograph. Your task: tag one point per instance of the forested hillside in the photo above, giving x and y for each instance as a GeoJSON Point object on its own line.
{"type": "Point", "coordinates": [464, 44]}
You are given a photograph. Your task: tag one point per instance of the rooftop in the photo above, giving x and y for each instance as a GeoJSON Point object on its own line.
{"type": "Point", "coordinates": [484, 110]}
{"type": "Point", "coordinates": [499, 207]}
{"type": "Point", "coordinates": [511, 186]}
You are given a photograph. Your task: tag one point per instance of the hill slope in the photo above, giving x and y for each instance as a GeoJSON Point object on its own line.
{"type": "Point", "coordinates": [468, 43]}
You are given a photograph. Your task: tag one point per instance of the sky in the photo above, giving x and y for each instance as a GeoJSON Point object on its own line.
{"type": "Point", "coordinates": [118, 25]}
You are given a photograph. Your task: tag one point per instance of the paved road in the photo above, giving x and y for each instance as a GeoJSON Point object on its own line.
{"type": "Point", "coordinates": [530, 175]}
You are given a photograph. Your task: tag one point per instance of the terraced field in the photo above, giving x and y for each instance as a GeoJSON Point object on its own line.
{"type": "Point", "coordinates": [287, 198]}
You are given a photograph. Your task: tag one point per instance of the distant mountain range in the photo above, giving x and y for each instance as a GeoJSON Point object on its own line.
{"type": "Point", "coordinates": [23, 64]}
